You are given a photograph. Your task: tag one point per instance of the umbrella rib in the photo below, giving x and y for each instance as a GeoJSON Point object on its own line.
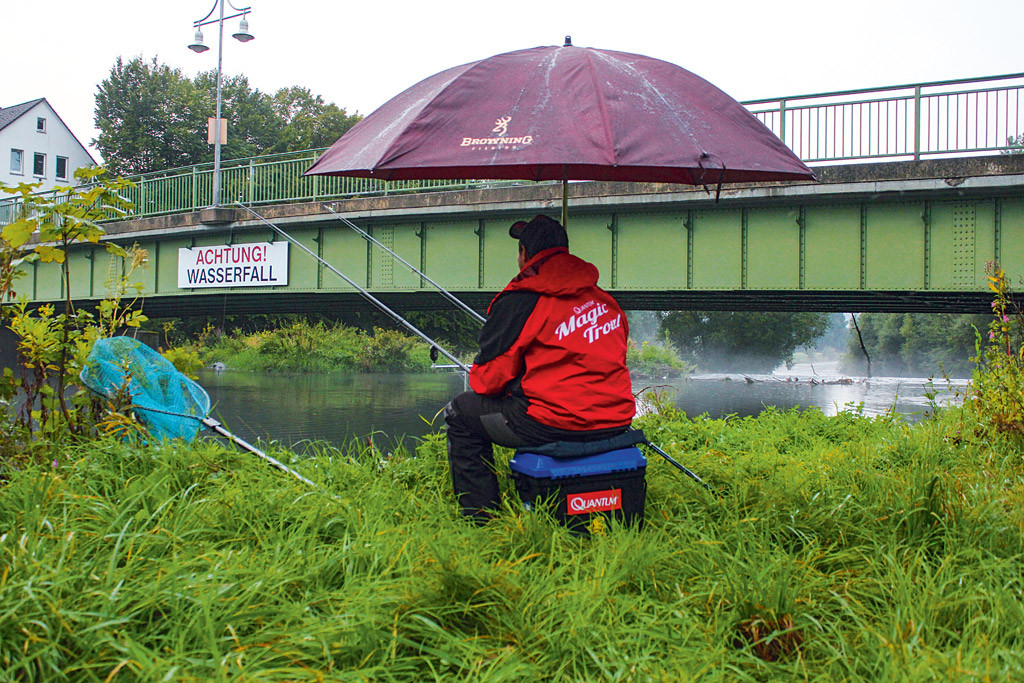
{"type": "Point", "coordinates": [605, 121]}
{"type": "Point", "coordinates": [652, 88]}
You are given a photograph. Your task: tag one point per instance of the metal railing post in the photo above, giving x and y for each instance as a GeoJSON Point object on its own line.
{"type": "Point", "coordinates": [252, 180]}
{"type": "Point", "coordinates": [917, 123]}
{"type": "Point", "coordinates": [782, 123]}
{"type": "Point", "coordinates": [195, 189]}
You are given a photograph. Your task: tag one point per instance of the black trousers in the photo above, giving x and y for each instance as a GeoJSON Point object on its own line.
{"type": "Point", "coordinates": [475, 423]}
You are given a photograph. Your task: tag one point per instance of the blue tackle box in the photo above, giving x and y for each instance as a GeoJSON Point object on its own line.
{"type": "Point", "coordinates": [611, 483]}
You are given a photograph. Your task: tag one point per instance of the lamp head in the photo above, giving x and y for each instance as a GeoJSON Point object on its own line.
{"type": "Point", "coordinates": [197, 44]}
{"type": "Point", "coordinates": [243, 35]}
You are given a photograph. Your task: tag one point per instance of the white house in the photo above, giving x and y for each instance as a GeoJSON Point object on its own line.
{"type": "Point", "coordinates": [36, 146]}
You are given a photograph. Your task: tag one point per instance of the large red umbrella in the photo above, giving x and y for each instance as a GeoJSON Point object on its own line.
{"type": "Point", "coordinates": [559, 113]}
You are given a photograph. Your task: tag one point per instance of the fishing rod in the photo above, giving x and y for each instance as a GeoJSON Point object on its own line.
{"type": "Point", "coordinates": [417, 332]}
{"type": "Point", "coordinates": [118, 364]}
{"type": "Point", "coordinates": [216, 426]}
{"type": "Point", "coordinates": [370, 297]}
{"type": "Point", "coordinates": [682, 468]}
{"type": "Point", "coordinates": [444, 292]}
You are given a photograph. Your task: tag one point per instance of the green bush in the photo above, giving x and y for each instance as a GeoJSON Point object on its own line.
{"type": "Point", "coordinates": [315, 347]}
{"type": "Point", "coordinates": [655, 359]}
{"type": "Point", "coordinates": [996, 398]}
{"type": "Point", "coordinates": [392, 350]}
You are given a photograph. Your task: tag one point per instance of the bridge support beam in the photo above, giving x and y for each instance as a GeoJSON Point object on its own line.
{"type": "Point", "coordinates": [902, 237]}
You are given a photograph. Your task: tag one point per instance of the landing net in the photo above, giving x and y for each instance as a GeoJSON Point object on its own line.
{"type": "Point", "coordinates": [169, 403]}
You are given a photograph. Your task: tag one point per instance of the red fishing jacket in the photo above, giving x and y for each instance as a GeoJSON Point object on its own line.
{"type": "Point", "coordinates": [557, 338]}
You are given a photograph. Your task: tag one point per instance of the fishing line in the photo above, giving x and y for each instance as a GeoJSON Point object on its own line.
{"type": "Point", "coordinates": [370, 297]}
{"type": "Point", "coordinates": [377, 302]}
{"type": "Point", "coordinates": [444, 292]}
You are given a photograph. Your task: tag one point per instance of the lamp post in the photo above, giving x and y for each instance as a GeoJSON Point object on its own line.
{"type": "Point", "coordinates": [197, 46]}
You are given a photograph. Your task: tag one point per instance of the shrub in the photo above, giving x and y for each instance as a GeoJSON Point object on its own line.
{"type": "Point", "coordinates": [656, 359]}
{"type": "Point", "coordinates": [997, 389]}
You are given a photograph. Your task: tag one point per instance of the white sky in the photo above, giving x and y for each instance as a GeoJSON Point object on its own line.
{"type": "Point", "coordinates": [359, 54]}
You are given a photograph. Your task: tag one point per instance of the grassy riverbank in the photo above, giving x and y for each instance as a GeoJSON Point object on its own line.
{"type": "Point", "coordinates": [315, 347]}
{"type": "Point", "coordinates": [321, 347]}
{"type": "Point", "coordinates": [840, 548]}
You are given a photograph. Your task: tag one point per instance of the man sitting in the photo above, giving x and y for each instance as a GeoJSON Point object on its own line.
{"type": "Point", "coordinates": [551, 366]}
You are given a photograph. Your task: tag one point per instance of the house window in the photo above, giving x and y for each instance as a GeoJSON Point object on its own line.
{"type": "Point", "coordinates": [62, 168]}
{"type": "Point", "coordinates": [39, 165]}
{"type": "Point", "coordinates": [17, 161]}
{"type": "Point", "coordinates": [41, 124]}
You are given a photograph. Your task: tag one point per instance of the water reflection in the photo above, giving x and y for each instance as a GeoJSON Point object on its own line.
{"type": "Point", "coordinates": [335, 408]}
{"type": "Point", "coordinates": [721, 395]}
{"type": "Point", "coordinates": [292, 408]}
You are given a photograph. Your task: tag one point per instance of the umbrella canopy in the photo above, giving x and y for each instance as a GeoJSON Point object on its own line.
{"type": "Point", "coordinates": [557, 113]}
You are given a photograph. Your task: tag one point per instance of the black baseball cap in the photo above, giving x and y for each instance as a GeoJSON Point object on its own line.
{"type": "Point", "coordinates": [540, 233]}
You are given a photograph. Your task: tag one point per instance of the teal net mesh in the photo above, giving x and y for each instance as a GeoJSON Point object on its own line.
{"type": "Point", "coordinates": [169, 403]}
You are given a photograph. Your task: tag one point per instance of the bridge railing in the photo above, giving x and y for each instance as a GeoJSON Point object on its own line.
{"type": "Point", "coordinates": [264, 179]}
{"type": "Point", "coordinates": [939, 118]}
{"type": "Point", "coordinates": [950, 118]}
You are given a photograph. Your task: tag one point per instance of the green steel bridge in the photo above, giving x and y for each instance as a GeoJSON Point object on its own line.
{"type": "Point", "coordinates": [919, 193]}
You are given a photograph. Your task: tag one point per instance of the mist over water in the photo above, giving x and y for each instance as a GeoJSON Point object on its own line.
{"type": "Point", "coordinates": [821, 384]}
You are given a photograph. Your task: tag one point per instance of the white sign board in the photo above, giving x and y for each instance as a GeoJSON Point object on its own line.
{"type": "Point", "coordinates": [260, 264]}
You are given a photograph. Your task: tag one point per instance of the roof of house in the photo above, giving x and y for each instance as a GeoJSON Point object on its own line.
{"type": "Point", "coordinates": [9, 115]}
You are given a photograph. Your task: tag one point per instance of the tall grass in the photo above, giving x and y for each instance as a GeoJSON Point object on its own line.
{"type": "Point", "coordinates": [837, 548]}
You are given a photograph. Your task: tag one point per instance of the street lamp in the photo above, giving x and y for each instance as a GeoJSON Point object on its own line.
{"type": "Point", "coordinates": [197, 46]}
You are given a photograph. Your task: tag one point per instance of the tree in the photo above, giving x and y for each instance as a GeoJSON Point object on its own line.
{"type": "Point", "coordinates": [309, 122]}
{"type": "Point", "coordinates": [918, 344]}
{"type": "Point", "coordinates": [837, 335]}
{"type": "Point", "coordinates": [152, 117]}
{"type": "Point", "coordinates": [253, 123]}
{"type": "Point", "coordinates": [149, 117]}
{"type": "Point", "coordinates": [741, 341]}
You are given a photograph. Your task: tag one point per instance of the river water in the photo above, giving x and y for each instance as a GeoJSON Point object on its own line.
{"type": "Point", "coordinates": [294, 409]}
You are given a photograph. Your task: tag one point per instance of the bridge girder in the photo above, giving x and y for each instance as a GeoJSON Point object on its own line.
{"type": "Point", "coordinates": [883, 237]}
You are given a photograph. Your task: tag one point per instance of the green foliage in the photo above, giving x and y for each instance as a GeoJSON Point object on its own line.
{"type": "Point", "coordinates": [253, 125]}
{"type": "Point", "coordinates": [741, 341]}
{"type": "Point", "coordinates": [52, 346]}
{"type": "Point", "coordinates": [997, 397]}
{"type": "Point", "coordinates": [837, 335]}
{"type": "Point", "coordinates": [149, 117]}
{"type": "Point", "coordinates": [304, 347]}
{"type": "Point", "coordinates": [187, 361]}
{"type": "Point", "coordinates": [841, 549]}
{"type": "Point", "coordinates": [1015, 144]}
{"type": "Point", "coordinates": [309, 122]}
{"type": "Point", "coordinates": [916, 344]}
{"type": "Point", "coordinates": [153, 117]}
{"type": "Point", "coordinates": [454, 330]}
{"type": "Point", "coordinates": [655, 359]}
{"type": "Point", "coordinates": [645, 325]}
{"type": "Point", "coordinates": [388, 350]}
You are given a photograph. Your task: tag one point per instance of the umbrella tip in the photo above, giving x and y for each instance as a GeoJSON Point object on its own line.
{"type": "Point", "coordinates": [568, 41]}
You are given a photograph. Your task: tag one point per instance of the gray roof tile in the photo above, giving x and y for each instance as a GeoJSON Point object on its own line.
{"type": "Point", "coordinates": [9, 114]}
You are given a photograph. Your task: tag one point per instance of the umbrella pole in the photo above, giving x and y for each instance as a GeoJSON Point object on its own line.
{"type": "Point", "coordinates": [565, 196]}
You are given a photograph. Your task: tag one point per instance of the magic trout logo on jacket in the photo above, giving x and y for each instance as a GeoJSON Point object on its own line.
{"type": "Point", "coordinates": [588, 319]}
{"type": "Point", "coordinates": [501, 141]}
